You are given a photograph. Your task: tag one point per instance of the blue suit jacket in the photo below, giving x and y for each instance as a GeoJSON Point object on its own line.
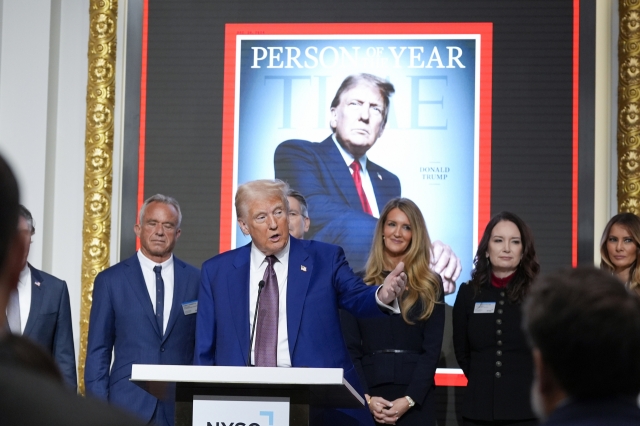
{"type": "Point", "coordinates": [49, 323]}
{"type": "Point", "coordinates": [122, 319]}
{"type": "Point", "coordinates": [313, 298]}
{"type": "Point", "coordinates": [319, 172]}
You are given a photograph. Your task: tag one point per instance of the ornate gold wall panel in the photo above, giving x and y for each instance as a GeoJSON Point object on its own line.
{"type": "Point", "coordinates": [629, 107]}
{"type": "Point", "coordinates": [98, 171]}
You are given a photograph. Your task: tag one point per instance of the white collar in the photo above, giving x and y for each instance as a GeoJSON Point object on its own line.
{"type": "Point", "coordinates": [145, 262]}
{"type": "Point", "coordinates": [257, 257]}
{"type": "Point", "coordinates": [24, 275]}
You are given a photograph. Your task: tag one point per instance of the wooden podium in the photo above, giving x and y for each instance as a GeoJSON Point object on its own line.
{"type": "Point", "coordinates": [308, 389]}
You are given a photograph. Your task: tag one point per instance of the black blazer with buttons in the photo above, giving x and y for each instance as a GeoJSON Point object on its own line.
{"type": "Point", "coordinates": [493, 353]}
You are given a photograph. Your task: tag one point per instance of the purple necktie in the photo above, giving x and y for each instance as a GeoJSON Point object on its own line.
{"type": "Point", "coordinates": [267, 334]}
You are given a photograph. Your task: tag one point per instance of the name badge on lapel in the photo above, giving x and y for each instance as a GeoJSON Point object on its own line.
{"type": "Point", "coordinates": [484, 308]}
{"type": "Point", "coordinates": [192, 307]}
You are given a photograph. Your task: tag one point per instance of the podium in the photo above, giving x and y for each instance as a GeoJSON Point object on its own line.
{"type": "Point", "coordinates": [307, 389]}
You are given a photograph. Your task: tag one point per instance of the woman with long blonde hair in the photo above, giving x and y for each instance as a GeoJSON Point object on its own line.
{"type": "Point", "coordinates": [396, 356]}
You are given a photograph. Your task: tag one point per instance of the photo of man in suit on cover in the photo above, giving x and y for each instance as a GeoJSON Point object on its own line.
{"type": "Point", "coordinates": [347, 189]}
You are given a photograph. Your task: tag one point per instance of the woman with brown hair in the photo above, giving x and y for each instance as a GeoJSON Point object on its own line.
{"type": "Point", "coordinates": [487, 336]}
{"type": "Point", "coordinates": [620, 249]}
{"type": "Point", "coordinates": [396, 356]}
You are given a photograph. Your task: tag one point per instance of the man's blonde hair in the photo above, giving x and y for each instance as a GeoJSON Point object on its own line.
{"type": "Point", "coordinates": [257, 189]}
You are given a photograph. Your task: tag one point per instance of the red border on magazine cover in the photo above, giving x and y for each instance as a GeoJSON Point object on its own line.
{"type": "Point", "coordinates": [485, 30]}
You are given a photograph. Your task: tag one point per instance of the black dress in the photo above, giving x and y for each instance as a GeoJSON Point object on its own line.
{"type": "Point", "coordinates": [494, 355]}
{"type": "Point", "coordinates": [395, 359]}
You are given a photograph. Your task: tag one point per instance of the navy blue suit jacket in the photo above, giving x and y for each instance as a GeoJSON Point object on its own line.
{"type": "Point", "coordinates": [49, 323]}
{"type": "Point", "coordinates": [319, 172]}
{"type": "Point", "coordinates": [122, 319]}
{"type": "Point", "coordinates": [319, 282]}
{"type": "Point", "coordinates": [613, 411]}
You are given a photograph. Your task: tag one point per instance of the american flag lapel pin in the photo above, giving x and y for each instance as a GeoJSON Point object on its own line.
{"type": "Point", "coordinates": [379, 175]}
{"type": "Point", "coordinates": [303, 268]}
{"type": "Point", "coordinates": [37, 283]}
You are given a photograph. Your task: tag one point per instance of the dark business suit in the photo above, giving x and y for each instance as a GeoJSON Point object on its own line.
{"type": "Point", "coordinates": [395, 375]}
{"type": "Point", "coordinates": [612, 411]}
{"type": "Point", "coordinates": [49, 323]}
{"type": "Point", "coordinates": [493, 352]}
{"type": "Point", "coordinates": [122, 318]}
{"type": "Point", "coordinates": [319, 282]}
{"type": "Point", "coordinates": [319, 172]}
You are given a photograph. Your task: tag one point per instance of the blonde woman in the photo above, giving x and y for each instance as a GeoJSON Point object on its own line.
{"type": "Point", "coordinates": [620, 249]}
{"type": "Point", "coordinates": [396, 356]}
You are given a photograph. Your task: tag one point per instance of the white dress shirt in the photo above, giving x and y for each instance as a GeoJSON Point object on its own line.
{"type": "Point", "coordinates": [256, 273]}
{"type": "Point", "coordinates": [24, 296]}
{"type": "Point", "coordinates": [149, 275]}
{"type": "Point", "coordinates": [367, 186]}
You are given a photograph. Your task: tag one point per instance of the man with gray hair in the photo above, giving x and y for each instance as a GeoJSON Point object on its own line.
{"type": "Point", "coordinates": [144, 310]}
{"type": "Point", "coordinates": [300, 284]}
{"type": "Point", "coordinates": [40, 309]}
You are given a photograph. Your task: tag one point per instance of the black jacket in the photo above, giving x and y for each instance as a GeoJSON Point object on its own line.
{"type": "Point", "coordinates": [415, 368]}
{"type": "Point", "coordinates": [493, 353]}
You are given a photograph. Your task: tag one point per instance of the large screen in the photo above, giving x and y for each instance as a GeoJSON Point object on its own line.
{"type": "Point", "coordinates": [280, 81]}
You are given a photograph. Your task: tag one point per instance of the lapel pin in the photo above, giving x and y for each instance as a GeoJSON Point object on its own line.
{"type": "Point", "coordinates": [303, 268]}
{"type": "Point", "coordinates": [37, 283]}
{"type": "Point", "coordinates": [379, 176]}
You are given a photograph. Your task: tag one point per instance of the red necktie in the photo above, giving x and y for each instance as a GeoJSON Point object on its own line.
{"type": "Point", "coordinates": [355, 166]}
{"type": "Point", "coordinates": [266, 349]}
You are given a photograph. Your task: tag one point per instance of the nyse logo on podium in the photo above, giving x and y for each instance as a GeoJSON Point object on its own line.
{"type": "Point", "coordinates": [232, 424]}
{"type": "Point", "coordinates": [215, 410]}
{"type": "Point", "coordinates": [269, 414]}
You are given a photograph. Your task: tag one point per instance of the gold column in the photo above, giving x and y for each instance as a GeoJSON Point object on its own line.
{"type": "Point", "coordinates": [629, 107]}
{"type": "Point", "coordinates": [98, 171]}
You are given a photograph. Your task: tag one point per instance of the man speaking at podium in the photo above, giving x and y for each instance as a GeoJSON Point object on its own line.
{"type": "Point", "coordinates": [302, 285]}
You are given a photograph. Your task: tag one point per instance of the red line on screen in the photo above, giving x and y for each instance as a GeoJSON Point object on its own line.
{"type": "Point", "coordinates": [486, 91]}
{"type": "Point", "coordinates": [143, 109]}
{"type": "Point", "coordinates": [228, 109]}
{"type": "Point", "coordinates": [228, 119]}
{"type": "Point", "coordinates": [576, 75]}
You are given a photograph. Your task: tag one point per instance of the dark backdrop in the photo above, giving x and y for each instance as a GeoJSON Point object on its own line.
{"type": "Point", "coordinates": [532, 107]}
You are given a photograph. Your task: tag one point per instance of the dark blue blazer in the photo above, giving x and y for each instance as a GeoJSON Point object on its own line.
{"type": "Point", "coordinates": [49, 323]}
{"type": "Point", "coordinates": [122, 319]}
{"type": "Point", "coordinates": [613, 411]}
{"type": "Point", "coordinates": [319, 172]}
{"type": "Point", "coordinates": [319, 282]}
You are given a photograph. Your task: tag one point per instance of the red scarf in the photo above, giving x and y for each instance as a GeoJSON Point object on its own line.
{"type": "Point", "coordinates": [501, 282]}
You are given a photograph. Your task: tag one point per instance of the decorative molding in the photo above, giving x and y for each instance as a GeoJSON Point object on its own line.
{"type": "Point", "coordinates": [98, 168]}
{"type": "Point", "coordinates": [629, 107]}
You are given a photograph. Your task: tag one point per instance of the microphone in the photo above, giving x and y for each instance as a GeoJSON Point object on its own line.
{"type": "Point", "coordinates": [261, 285]}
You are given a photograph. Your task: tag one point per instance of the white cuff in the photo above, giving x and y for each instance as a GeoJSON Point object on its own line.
{"type": "Point", "coordinates": [393, 308]}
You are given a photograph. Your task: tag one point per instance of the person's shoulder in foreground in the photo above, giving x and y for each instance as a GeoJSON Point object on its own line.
{"type": "Point", "coordinates": [614, 411]}
{"type": "Point", "coordinates": [27, 399]}
{"type": "Point", "coordinates": [584, 329]}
